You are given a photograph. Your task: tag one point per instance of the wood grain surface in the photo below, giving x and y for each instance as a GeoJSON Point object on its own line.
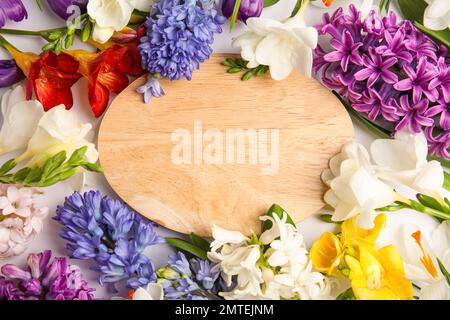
{"type": "Point", "coordinates": [136, 144]}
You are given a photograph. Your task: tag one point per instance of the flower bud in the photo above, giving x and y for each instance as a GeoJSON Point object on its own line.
{"type": "Point", "coordinates": [167, 273]}
{"type": "Point", "coordinates": [247, 9]}
{"type": "Point", "coordinates": [62, 7]}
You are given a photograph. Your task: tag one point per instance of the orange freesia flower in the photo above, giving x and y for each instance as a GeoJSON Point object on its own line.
{"type": "Point", "coordinates": [327, 2]}
{"type": "Point", "coordinates": [106, 71]}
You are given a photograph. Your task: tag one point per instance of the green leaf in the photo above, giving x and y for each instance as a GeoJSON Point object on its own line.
{"type": "Point", "coordinates": [431, 202]}
{"type": "Point", "coordinates": [268, 3]}
{"type": "Point", "coordinates": [49, 46]}
{"type": "Point", "coordinates": [393, 207]}
{"type": "Point", "coordinates": [237, 5]}
{"type": "Point", "coordinates": [442, 36]}
{"type": "Point", "coordinates": [33, 176]}
{"type": "Point", "coordinates": [93, 167]}
{"type": "Point", "coordinates": [444, 271]}
{"type": "Point", "coordinates": [384, 5]}
{"type": "Point", "coordinates": [86, 31]}
{"type": "Point", "coordinates": [19, 176]}
{"type": "Point", "coordinates": [298, 6]}
{"type": "Point", "coordinates": [234, 70]}
{"type": "Point", "coordinates": [247, 76]}
{"type": "Point", "coordinates": [53, 163]}
{"type": "Point", "coordinates": [187, 247]}
{"type": "Point", "coordinates": [346, 295]}
{"type": "Point", "coordinates": [57, 178]}
{"type": "Point", "coordinates": [77, 156]}
{"type": "Point", "coordinates": [275, 209]}
{"type": "Point", "coordinates": [328, 219]}
{"type": "Point", "coordinates": [55, 35]}
{"type": "Point", "coordinates": [412, 10]}
{"type": "Point", "coordinates": [68, 42]}
{"type": "Point", "coordinates": [200, 242]}
{"type": "Point", "coordinates": [254, 239]}
{"type": "Point", "coordinates": [7, 166]}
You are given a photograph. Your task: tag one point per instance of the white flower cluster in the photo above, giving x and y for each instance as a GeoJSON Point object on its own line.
{"type": "Point", "coordinates": [21, 219]}
{"type": "Point", "coordinates": [275, 266]}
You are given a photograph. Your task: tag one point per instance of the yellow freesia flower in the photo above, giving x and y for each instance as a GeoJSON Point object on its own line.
{"type": "Point", "coordinates": [327, 253]}
{"type": "Point", "coordinates": [379, 275]}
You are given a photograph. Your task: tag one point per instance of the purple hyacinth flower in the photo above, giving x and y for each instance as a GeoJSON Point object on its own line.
{"type": "Point", "coordinates": [152, 88]}
{"type": "Point", "coordinates": [420, 44]}
{"type": "Point", "coordinates": [9, 73]}
{"type": "Point", "coordinates": [63, 7]}
{"type": "Point", "coordinates": [247, 9]}
{"type": "Point", "coordinates": [37, 262]}
{"type": "Point", "coordinates": [376, 67]}
{"type": "Point", "coordinates": [443, 109]}
{"type": "Point", "coordinates": [390, 22]}
{"type": "Point", "coordinates": [374, 104]}
{"type": "Point", "coordinates": [442, 80]}
{"type": "Point", "coordinates": [13, 272]}
{"type": "Point", "coordinates": [395, 46]}
{"type": "Point", "coordinates": [415, 115]}
{"type": "Point", "coordinates": [346, 51]}
{"type": "Point", "coordinates": [12, 10]}
{"type": "Point", "coordinates": [418, 81]}
{"type": "Point", "coordinates": [438, 144]}
{"type": "Point", "coordinates": [373, 24]}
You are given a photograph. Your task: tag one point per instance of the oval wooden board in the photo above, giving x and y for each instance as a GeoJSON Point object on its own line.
{"type": "Point", "coordinates": [135, 144]}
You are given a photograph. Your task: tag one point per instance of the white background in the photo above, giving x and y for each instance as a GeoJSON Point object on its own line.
{"type": "Point", "coordinates": [49, 239]}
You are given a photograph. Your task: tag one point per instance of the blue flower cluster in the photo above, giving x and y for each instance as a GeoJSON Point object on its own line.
{"type": "Point", "coordinates": [189, 280]}
{"type": "Point", "coordinates": [179, 37]}
{"type": "Point", "coordinates": [111, 234]}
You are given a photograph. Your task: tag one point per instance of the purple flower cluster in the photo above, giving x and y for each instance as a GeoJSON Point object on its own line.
{"type": "Point", "coordinates": [195, 279]}
{"type": "Point", "coordinates": [41, 281]}
{"type": "Point", "coordinates": [111, 234]}
{"type": "Point", "coordinates": [389, 70]}
{"type": "Point", "coordinates": [179, 37]}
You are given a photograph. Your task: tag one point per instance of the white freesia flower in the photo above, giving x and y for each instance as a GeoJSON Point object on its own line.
{"type": "Point", "coordinates": [281, 271]}
{"type": "Point", "coordinates": [58, 130]}
{"type": "Point", "coordinates": [437, 14]}
{"type": "Point", "coordinates": [354, 187]}
{"type": "Point", "coordinates": [420, 259]}
{"type": "Point", "coordinates": [142, 5]}
{"type": "Point", "coordinates": [21, 223]}
{"type": "Point", "coordinates": [282, 46]}
{"type": "Point", "coordinates": [20, 119]}
{"type": "Point", "coordinates": [404, 160]}
{"type": "Point", "coordinates": [110, 16]}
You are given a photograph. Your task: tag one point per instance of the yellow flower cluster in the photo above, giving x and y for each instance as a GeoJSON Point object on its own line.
{"type": "Point", "coordinates": [375, 274]}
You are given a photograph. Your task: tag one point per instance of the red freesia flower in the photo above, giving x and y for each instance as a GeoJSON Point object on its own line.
{"type": "Point", "coordinates": [106, 72]}
{"type": "Point", "coordinates": [50, 76]}
{"type": "Point", "coordinates": [129, 38]}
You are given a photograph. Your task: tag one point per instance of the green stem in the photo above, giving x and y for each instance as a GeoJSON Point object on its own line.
{"type": "Point", "coordinates": [237, 6]}
{"type": "Point", "coordinates": [20, 32]}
